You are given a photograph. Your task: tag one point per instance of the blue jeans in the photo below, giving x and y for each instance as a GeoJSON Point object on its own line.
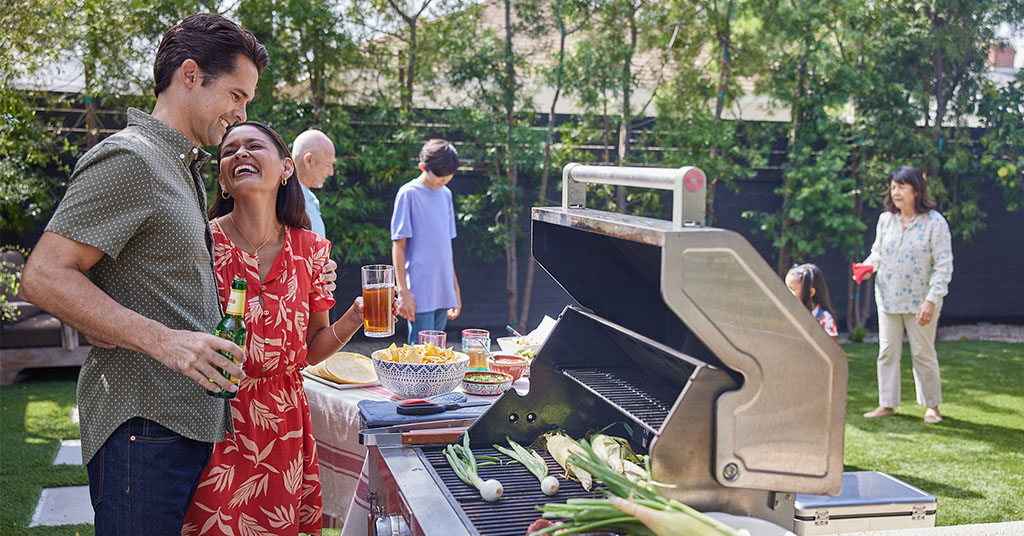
{"type": "Point", "coordinates": [143, 478]}
{"type": "Point", "coordinates": [436, 319]}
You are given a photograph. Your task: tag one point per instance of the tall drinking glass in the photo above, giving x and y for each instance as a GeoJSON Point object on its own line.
{"type": "Point", "coordinates": [378, 296]}
{"type": "Point", "coordinates": [476, 343]}
{"type": "Point", "coordinates": [433, 336]}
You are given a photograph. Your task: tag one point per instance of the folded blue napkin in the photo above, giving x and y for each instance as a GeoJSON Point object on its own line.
{"type": "Point", "coordinates": [375, 413]}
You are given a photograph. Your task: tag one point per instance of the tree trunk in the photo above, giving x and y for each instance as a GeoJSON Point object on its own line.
{"type": "Point", "coordinates": [542, 195]}
{"type": "Point", "coordinates": [626, 125]}
{"type": "Point", "coordinates": [796, 109]}
{"type": "Point", "coordinates": [723, 81]}
{"type": "Point", "coordinates": [317, 84]}
{"type": "Point", "coordinates": [410, 68]}
{"type": "Point", "coordinates": [512, 210]}
{"type": "Point", "coordinates": [92, 123]}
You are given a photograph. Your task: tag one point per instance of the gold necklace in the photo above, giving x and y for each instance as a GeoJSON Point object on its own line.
{"type": "Point", "coordinates": [256, 250]}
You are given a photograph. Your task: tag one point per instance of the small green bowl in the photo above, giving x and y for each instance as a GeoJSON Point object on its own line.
{"type": "Point", "coordinates": [486, 383]}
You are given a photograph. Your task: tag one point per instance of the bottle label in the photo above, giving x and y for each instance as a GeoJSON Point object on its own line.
{"type": "Point", "coordinates": [236, 303]}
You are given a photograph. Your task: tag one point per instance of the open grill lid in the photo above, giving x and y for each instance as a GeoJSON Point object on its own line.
{"type": "Point", "coordinates": [693, 339]}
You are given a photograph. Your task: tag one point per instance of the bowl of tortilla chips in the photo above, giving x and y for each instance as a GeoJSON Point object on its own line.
{"type": "Point", "coordinates": [421, 370]}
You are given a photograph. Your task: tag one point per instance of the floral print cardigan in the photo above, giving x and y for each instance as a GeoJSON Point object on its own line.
{"type": "Point", "coordinates": [913, 264]}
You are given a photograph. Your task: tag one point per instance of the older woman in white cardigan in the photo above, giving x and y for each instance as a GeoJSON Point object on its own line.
{"type": "Point", "coordinates": [913, 257]}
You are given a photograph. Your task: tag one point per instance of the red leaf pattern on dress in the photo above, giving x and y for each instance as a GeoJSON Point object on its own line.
{"type": "Point", "coordinates": [249, 526]}
{"type": "Point", "coordinates": [262, 417]}
{"type": "Point", "coordinates": [220, 477]}
{"type": "Point", "coordinates": [293, 476]}
{"type": "Point", "coordinates": [252, 487]}
{"type": "Point", "coordinates": [280, 516]}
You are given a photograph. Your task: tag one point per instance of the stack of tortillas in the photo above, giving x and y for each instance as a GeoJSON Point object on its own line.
{"type": "Point", "coordinates": [345, 367]}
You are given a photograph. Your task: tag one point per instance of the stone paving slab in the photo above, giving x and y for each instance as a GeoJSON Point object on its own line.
{"type": "Point", "coordinates": [1010, 528]}
{"type": "Point", "coordinates": [63, 506]}
{"type": "Point", "coordinates": [70, 452]}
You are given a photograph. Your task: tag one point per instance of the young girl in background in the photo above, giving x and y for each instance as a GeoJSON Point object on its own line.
{"type": "Point", "coordinates": [807, 283]}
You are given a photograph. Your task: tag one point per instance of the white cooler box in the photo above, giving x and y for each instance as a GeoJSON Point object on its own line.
{"type": "Point", "coordinates": [870, 500]}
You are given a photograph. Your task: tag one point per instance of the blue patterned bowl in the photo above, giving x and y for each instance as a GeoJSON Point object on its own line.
{"type": "Point", "coordinates": [495, 384]}
{"type": "Point", "coordinates": [419, 380]}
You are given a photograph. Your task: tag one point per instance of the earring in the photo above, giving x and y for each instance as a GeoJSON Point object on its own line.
{"type": "Point", "coordinates": [284, 181]}
{"type": "Point", "coordinates": [224, 194]}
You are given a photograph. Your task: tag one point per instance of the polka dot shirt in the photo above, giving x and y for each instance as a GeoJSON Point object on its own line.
{"type": "Point", "coordinates": [138, 197]}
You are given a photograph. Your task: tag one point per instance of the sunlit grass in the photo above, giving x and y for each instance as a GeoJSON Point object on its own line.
{"type": "Point", "coordinates": [972, 461]}
{"type": "Point", "coordinates": [34, 418]}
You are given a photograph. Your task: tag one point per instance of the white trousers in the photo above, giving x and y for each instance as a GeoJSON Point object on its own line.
{"type": "Point", "coordinates": [922, 354]}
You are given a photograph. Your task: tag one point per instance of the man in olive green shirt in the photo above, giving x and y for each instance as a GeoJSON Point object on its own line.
{"type": "Point", "coordinates": [127, 259]}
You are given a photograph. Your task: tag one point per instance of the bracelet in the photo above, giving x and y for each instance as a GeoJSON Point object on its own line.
{"type": "Point", "coordinates": [335, 333]}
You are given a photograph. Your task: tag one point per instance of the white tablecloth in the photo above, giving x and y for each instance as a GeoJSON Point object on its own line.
{"type": "Point", "coordinates": [343, 461]}
{"type": "Point", "coordinates": [335, 419]}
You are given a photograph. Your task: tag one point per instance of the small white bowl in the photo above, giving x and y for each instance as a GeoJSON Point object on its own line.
{"type": "Point", "coordinates": [510, 345]}
{"type": "Point", "coordinates": [420, 380]}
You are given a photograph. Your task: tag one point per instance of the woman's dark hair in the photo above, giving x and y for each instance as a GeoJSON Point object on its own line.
{"type": "Point", "coordinates": [439, 157]}
{"type": "Point", "coordinates": [212, 41]}
{"type": "Point", "coordinates": [912, 176]}
{"type": "Point", "coordinates": [810, 276]}
{"type": "Point", "coordinates": [291, 204]}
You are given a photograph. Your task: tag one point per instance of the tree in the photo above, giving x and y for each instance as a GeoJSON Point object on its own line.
{"type": "Point", "coordinates": [110, 41]}
{"type": "Point", "coordinates": [812, 78]}
{"type": "Point", "coordinates": [946, 43]}
{"type": "Point", "coordinates": [568, 17]}
{"type": "Point", "coordinates": [498, 130]}
{"type": "Point", "coordinates": [721, 43]}
{"type": "Point", "coordinates": [408, 51]}
{"type": "Point", "coordinates": [1002, 110]}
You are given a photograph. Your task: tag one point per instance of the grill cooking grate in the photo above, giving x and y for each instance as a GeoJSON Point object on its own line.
{"type": "Point", "coordinates": [643, 398]}
{"type": "Point", "coordinates": [515, 511]}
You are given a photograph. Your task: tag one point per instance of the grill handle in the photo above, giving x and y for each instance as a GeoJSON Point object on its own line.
{"type": "Point", "coordinates": [688, 185]}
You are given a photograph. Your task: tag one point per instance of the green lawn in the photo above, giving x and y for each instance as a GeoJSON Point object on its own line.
{"type": "Point", "coordinates": [34, 418]}
{"type": "Point", "coordinates": [972, 461]}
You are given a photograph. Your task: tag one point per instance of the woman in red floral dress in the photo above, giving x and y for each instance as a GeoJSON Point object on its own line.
{"type": "Point", "coordinates": [266, 479]}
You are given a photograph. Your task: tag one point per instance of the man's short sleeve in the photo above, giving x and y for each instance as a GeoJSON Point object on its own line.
{"type": "Point", "coordinates": [401, 218]}
{"type": "Point", "coordinates": [108, 199]}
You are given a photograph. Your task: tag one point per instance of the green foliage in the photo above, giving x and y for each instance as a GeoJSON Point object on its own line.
{"type": "Point", "coordinates": [1002, 110]}
{"type": "Point", "coordinates": [10, 282]}
{"type": "Point", "coordinates": [812, 75]}
{"type": "Point", "coordinates": [859, 333]}
{"type": "Point", "coordinates": [30, 161]}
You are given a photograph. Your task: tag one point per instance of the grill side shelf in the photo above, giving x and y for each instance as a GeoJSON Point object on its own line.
{"type": "Point", "coordinates": [642, 398]}
{"type": "Point", "coordinates": [515, 511]}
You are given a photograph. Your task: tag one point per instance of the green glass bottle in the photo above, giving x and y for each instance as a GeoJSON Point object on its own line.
{"type": "Point", "coordinates": [232, 328]}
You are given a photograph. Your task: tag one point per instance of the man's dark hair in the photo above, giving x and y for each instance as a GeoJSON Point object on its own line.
{"type": "Point", "coordinates": [912, 176]}
{"type": "Point", "coordinates": [291, 203]}
{"type": "Point", "coordinates": [439, 157]}
{"type": "Point", "coordinates": [212, 41]}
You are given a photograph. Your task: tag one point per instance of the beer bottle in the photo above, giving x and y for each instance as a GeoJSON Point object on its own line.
{"type": "Point", "coordinates": [232, 328]}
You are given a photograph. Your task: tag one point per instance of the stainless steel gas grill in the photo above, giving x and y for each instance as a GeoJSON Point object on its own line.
{"type": "Point", "coordinates": [685, 336]}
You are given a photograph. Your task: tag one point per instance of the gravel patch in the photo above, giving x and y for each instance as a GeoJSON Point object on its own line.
{"type": "Point", "coordinates": [982, 331]}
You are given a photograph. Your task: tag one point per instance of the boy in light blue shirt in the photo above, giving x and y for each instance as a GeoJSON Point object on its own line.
{"type": "Point", "coordinates": [422, 230]}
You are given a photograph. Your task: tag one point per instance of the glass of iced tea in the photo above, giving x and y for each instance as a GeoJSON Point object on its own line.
{"type": "Point", "coordinates": [476, 343]}
{"type": "Point", "coordinates": [378, 296]}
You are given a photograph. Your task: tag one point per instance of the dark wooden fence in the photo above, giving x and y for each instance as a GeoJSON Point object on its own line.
{"type": "Point", "coordinates": [987, 284]}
